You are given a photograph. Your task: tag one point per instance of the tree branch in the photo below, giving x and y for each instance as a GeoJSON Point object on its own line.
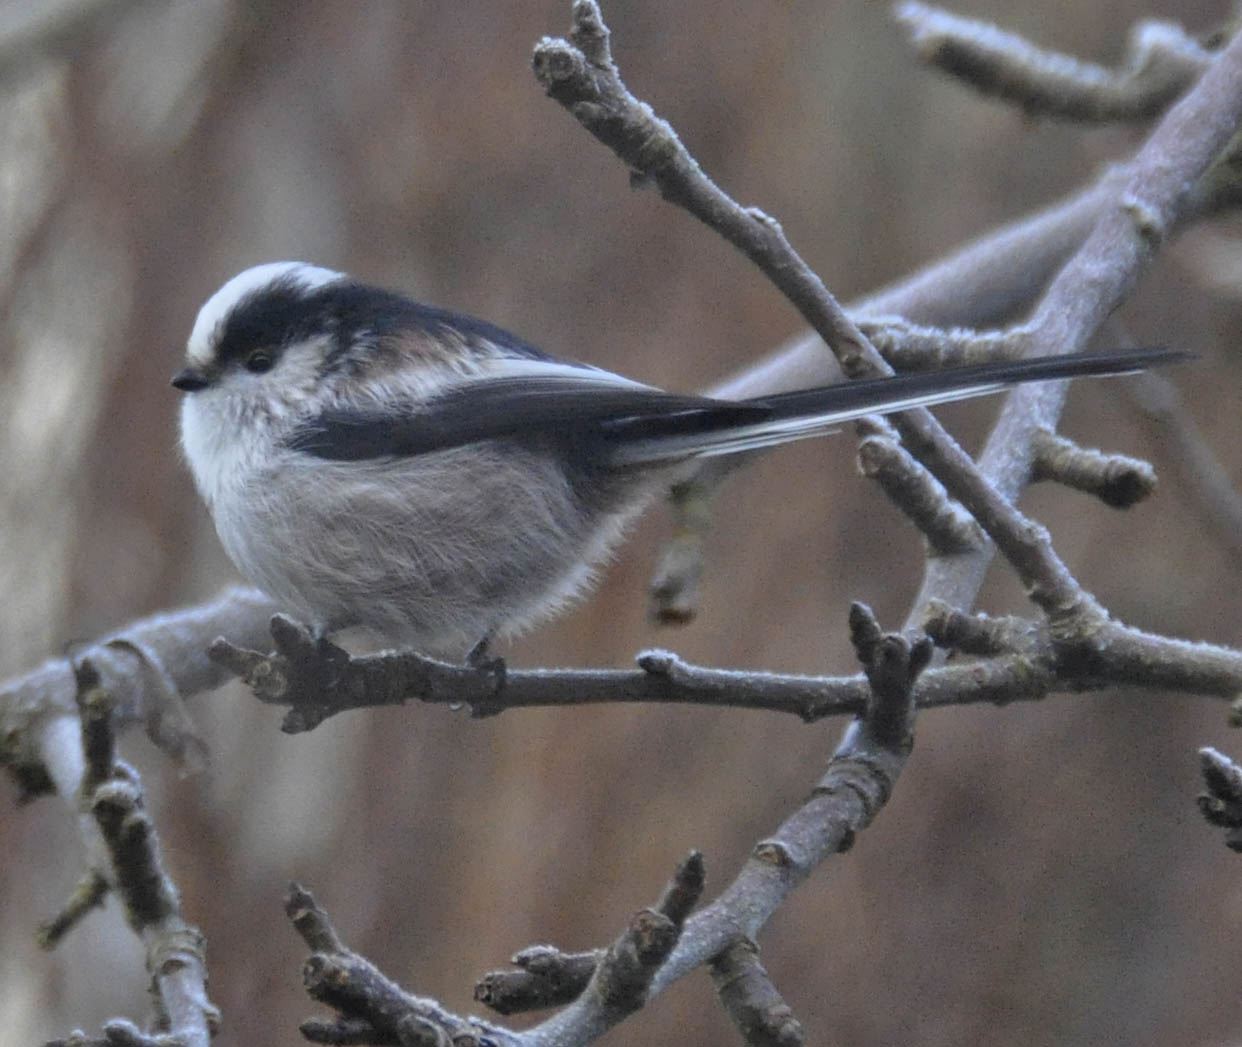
{"type": "Point", "coordinates": [1158, 194]}
{"type": "Point", "coordinates": [121, 839]}
{"type": "Point", "coordinates": [148, 667]}
{"type": "Point", "coordinates": [1161, 61]}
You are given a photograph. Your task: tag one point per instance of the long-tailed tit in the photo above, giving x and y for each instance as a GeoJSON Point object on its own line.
{"type": "Point", "coordinates": [373, 461]}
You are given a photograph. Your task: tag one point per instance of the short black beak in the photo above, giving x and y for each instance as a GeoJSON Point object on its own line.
{"type": "Point", "coordinates": [190, 380]}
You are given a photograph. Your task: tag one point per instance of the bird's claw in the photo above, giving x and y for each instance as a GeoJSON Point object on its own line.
{"type": "Point", "coordinates": [301, 672]}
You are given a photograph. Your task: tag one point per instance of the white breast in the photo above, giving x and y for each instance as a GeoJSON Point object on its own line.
{"type": "Point", "coordinates": [223, 451]}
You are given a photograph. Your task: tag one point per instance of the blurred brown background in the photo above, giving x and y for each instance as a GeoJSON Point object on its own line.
{"type": "Point", "coordinates": [1041, 875]}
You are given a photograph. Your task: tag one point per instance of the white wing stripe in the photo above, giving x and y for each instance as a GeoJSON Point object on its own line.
{"type": "Point", "coordinates": [784, 430]}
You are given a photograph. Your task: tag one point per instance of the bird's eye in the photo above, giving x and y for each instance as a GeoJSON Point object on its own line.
{"type": "Point", "coordinates": [259, 361]}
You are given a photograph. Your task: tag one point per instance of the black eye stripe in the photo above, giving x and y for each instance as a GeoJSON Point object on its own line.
{"type": "Point", "coordinates": [269, 319]}
{"type": "Point", "coordinates": [286, 312]}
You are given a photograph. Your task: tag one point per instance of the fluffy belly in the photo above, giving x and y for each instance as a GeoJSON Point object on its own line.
{"type": "Point", "coordinates": [433, 552]}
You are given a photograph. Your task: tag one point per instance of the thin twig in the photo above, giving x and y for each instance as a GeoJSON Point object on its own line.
{"type": "Point", "coordinates": [1117, 480]}
{"type": "Point", "coordinates": [545, 977]}
{"type": "Point", "coordinates": [1221, 804]}
{"type": "Point", "coordinates": [1161, 61]}
{"type": "Point", "coordinates": [370, 1006]}
{"type": "Point", "coordinates": [751, 999]}
{"type": "Point", "coordinates": [946, 526]}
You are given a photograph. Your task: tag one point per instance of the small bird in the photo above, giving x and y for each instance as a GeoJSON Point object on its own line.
{"type": "Point", "coordinates": [373, 461]}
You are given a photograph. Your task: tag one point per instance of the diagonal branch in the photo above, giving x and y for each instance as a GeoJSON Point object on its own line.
{"type": "Point", "coordinates": [1157, 195]}
{"type": "Point", "coordinates": [121, 838]}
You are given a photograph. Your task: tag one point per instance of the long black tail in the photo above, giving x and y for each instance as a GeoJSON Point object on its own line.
{"type": "Point", "coordinates": [811, 412]}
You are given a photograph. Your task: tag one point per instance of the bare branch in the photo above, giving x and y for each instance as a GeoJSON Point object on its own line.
{"type": "Point", "coordinates": [545, 977]}
{"type": "Point", "coordinates": [762, 1017]}
{"type": "Point", "coordinates": [918, 494]}
{"type": "Point", "coordinates": [133, 870]}
{"type": "Point", "coordinates": [1221, 805]}
{"type": "Point", "coordinates": [1033, 663]}
{"type": "Point", "coordinates": [1161, 62]}
{"type": "Point", "coordinates": [675, 584]}
{"type": "Point", "coordinates": [1157, 196]}
{"type": "Point", "coordinates": [625, 971]}
{"type": "Point", "coordinates": [856, 785]}
{"type": "Point", "coordinates": [317, 680]}
{"type": "Point", "coordinates": [584, 79]}
{"type": "Point", "coordinates": [1103, 270]}
{"type": "Point", "coordinates": [908, 346]}
{"type": "Point", "coordinates": [986, 282]}
{"type": "Point", "coordinates": [580, 74]}
{"type": "Point", "coordinates": [147, 668]}
{"type": "Point", "coordinates": [371, 1007]}
{"type": "Point", "coordinates": [89, 894]}
{"type": "Point", "coordinates": [590, 88]}
{"type": "Point", "coordinates": [1116, 479]}
{"type": "Point", "coordinates": [892, 665]}
{"type": "Point", "coordinates": [982, 634]}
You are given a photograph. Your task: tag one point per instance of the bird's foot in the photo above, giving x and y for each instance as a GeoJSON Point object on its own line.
{"type": "Point", "coordinates": [303, 671]}
{"type": "Point", "coordinates": [485, 663]}
{"type": "Point", "coordinates": [481, 659]}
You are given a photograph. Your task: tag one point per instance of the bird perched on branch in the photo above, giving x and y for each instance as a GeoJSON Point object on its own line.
{"type": "Point", "coordinates": [373, 461]}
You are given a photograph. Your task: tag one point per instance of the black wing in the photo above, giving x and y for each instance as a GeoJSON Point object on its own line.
{"type": "Point", "coordinates": [558, 405]}
{"type": "Point", "coordinates": [641, 424]}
